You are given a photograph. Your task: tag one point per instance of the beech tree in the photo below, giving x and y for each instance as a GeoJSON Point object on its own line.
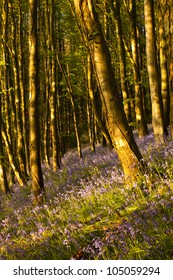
{"type": "Point", "coordinates": [3, 176]}
{"type": "Point", "coordinates": [170, 64]}
{"type": "Point", "coordinates": [162, 15]}
{"type": "Point", "coordinates": [90, 77]}
{"type": "Point", "coordinates": [51, 75]}
{"type": "Point", "coordinates": [120, 132]}
{"type": "Point", "coordinates": [115, 7]}
{"type": "Point", "coordinates": [34, 128]}
{"type": "Point", "coordinates": [153, 72]}
{"type": "Point", "coordinates": [140, 118]}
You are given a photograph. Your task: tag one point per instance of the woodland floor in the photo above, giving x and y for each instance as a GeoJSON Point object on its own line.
{"type": "Point", "coordinates": [88, 212]}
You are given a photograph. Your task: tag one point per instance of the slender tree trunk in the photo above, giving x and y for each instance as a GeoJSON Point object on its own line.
{"type": "Point", "coordinates": [94, 105]}
{"type": "Point", "coordinates": [22, 87]}
{"type": "Point", "coordinates": [66, 75]}
{"type": "Point", "coordinates": [8, 107]}
{"type": "Point", "coordinates": [120, 132]}
{"type": "Point", "coordinates": [6, 125]}
{"type": "Point", "coordinates": [12, 160]}
{"type": "Point", "coordinates": [3, 176]}
{"type": "Point", "coordinates": [50, 25]}
{"type": "Point", "coordinates": [122, 58]}
{"type": "Point", "coordinates": [46, 138]}
{"type": "Point", "coordinates": [171, 63]}
{"type": "Point", "coordinates": [5, 67]}
{"type": "Point", "coordinates": [154, 82]}
{"type": "Point", "coordinates": [90, 125]}
{"type": "Point", "coordinates": [90, 107]}
{"type": "Point", "coordinates": [35, 164]}
{"type": "Point", "coordinates": [75, 125]}
{"type": "Point", "coordinates": [17, 93]}
{"type": "Point", "coordinates": [163, 49]}
{"type": "Point", "coordinates": [70, 93]}
{"type": "Point", "coordinates": [139, 108]}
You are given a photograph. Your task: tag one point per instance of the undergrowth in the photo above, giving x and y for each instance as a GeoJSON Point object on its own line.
{"type": "Point", "coordinates": [88, 212]}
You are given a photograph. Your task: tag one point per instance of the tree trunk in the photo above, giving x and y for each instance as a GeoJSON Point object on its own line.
{"type": "Point", "coordinates": [75, 124]}
{"type": "Point", "coordinates": [66, 75]}
{"type": "Point", "coordinates": [122, 58]}
{"type": "Point", "coordinates": [90, 125]}
{"type": "Point", "coordinates": [12, 159]}
{"type": "Point", "coordinates": [163, 50]}
{"type": "Point", "coordinates": [139, 108]}
{"type": "Point", "coordinates": [154, 82]}
{"type": "Point", "coordinates": [8, 105]}
{"type": "Point", "coordinates": [35, 164]}
{"type": "Point", "coordinates": [171, 64]}
{"type": "Point", "coordinates": [22, 87]}
{"type": "Point", "coordinates": [17, 94]}
{"type": "Point", "coordinates": [51, 71]}
{"type": "Point", "coordinates": [46, 133]}
{"type": "Point", "coordinates": [94, 105]}
{"type": "Point", "coordinates": [3, 176]}
{"type": "Point", "coordinates": [120, 132]}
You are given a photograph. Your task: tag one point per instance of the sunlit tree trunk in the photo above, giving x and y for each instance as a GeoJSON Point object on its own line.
{"type": "Point", "coordinates": [90, 113]}
{"type": "Point", "coordinates": [90, 118]}
{"type": "Point", "coordinates": [12, 159]}
{"type": "Point", "coordinates": [60, 101]}
{"type": "Point", "coordinates": [154, 80]}
{"type": "Point", "coordinates": [171, 63]}
{"type": "Point", "coordinates": [139, 108]}
{"type": "Point", "coordinates": [51, 64]}
{"type": "Point", "coordinates": [120, 132]}
{"type": "Point", "coordinates": [17, 92]}
{"type": "Point", "coordinates": [115, 6]}
{"type": "Point", "coordinates": [46, 133]}
{"type": "Point", "coordinates": [47, 69]}
{"type": "Point", "coordinates": [3, 176]}
{"type": "Point", "coordinates": [35, 164]}
{"type": "Point", "coordinates": [162, 16]}
{"type": "Point", "coordinates": [8, 106]}
{"type": "Point", "coordinates": [5, 66]}
{"type": "Point", "coordinates": [22, 86]}
{"type": "Point", "coordinates": [94, 103]}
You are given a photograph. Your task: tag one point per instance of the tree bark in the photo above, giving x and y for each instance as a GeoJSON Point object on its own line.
{"type": "Point", "coordinates": [3, 176]}
{"type": "Point", "coordinates": [66, 75]}
{"type": "Point", "coordinates": [51, 64]}
{"type": "Point", "coordinates": [122, 58]}
{"type": "Point", "coordinates": [154, 82]}
{"type": "Point", "coordinates": [141, 122]}
{"type": "Point", "coordinates": [171, 63]}
{"type": "Point", "coordinates": [163, 52]}
{"type": "Point", "coordinates": [120, 132]}
{"type": "Point", "coordinates": [12, 159]}
{"type": "Point", "coordinates": [35, 164]}
{"type": "Point", "coordinates": [17, 93]}
{"type": "Point", "coordinates": [94, 105]}
{"type": "Point", "coordinates": [22, 86]}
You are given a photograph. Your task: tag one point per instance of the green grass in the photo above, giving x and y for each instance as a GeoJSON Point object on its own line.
{"type": "Point", "coordinates": [95, 217]}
